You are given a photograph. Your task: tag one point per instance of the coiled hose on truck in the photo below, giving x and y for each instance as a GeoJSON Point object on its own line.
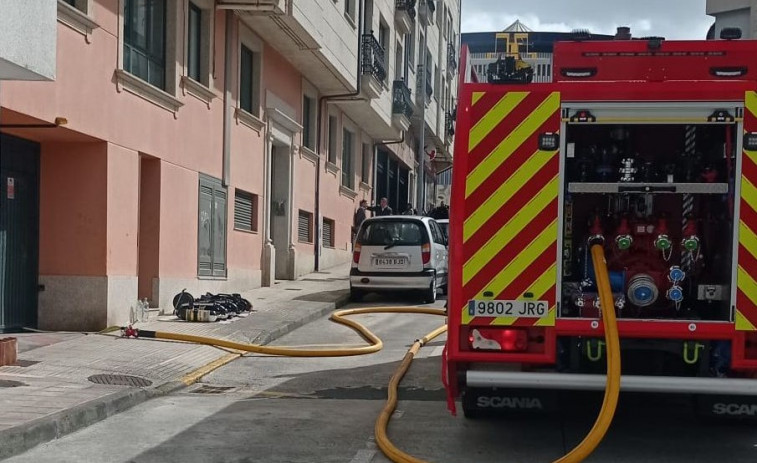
{"type": "Point", "coordinates": [579, 453]}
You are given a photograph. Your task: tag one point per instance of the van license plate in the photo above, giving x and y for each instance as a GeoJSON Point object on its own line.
{"type": "Point", "coordinates": [390, 262]}
{"type": "Point", "coordinates": [504, 308]}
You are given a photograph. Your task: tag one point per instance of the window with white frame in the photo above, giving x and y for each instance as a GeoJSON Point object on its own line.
{"type": "Point", "coordinates": [383, 39]}
{"type": "Point", "coordinates": [197, 35]}
{"type": "Point", "coordinates": [145, 40]}
{"type": "Point", "coordinates": [332, 139]}
{"type": "Point", "coordinates": [349, 9]}
{"type": "Point", "coordinates": [249, 79]}
{"type": "Point", "coordinates": [348, 159]}
{"type": "Point", "coordinates": [308, 121]}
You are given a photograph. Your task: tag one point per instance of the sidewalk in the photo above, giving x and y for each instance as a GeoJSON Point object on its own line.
{"type": "Point", "coordinates": [51, 390]}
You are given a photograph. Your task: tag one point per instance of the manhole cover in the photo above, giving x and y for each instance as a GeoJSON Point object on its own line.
{"type": "Point", "coordinates": [120, 380]}
{"type": "Point", "coordinates": [205, 389]}
{"type": "Point", "coordinates": [9, 383]}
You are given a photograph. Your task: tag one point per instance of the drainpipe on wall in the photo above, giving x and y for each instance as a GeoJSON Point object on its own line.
{"type": "Point", "coordinates": [228, 53]}
{"type": "Point", "coordinates": [319, 137]}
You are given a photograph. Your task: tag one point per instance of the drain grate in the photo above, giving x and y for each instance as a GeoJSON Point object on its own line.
{"type": "Point", "coordinates": [120, 380]}
{"type": "Point", "coordinates": [9, 383]}
{"type": "Point", "coordinates": [205, 389]}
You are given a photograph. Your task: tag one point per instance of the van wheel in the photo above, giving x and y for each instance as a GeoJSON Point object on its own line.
{"type": "Point", "coordinates": [431, 293]}
{"type": "Point", "coordinates": [356, 295]}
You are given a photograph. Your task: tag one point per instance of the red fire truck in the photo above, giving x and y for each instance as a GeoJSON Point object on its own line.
{"type": "Point", "coordinates": [649, 146]}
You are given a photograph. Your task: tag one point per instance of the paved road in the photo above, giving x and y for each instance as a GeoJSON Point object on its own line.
{"type": "Point", "coordinates": [263, 409]}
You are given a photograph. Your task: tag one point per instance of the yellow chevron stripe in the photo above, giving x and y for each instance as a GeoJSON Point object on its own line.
{"type": "Point", "coordinates": [476, 96]}
{"type": "Point", "coordinates": [748, 238]}
{"type": "Point", "coordinates": [550, 319]}
{"type": "Point", "coordinates": [743, 324]}
{"type": "Point", "coordinates": [503, 321]}
{"type": "Point", "coordinates": [506, 191]}
{"type": "Point", "coordinates": [466, 316]}
{"type": "Point", "coordinates": [747, 284]}
{"type": "Point", "coordinates": [513, 140]}
{"type": "Point", "coordinates": [510, 230]}
{"type": "Point", "coordinates": [751, 155]}
{"type": "Point", "coordinates": [516, 266]}
{"type": "Point", "coordinates": [486, 124]}
{"type": "Point", "coordinates": [544, 282]}
{"type": "Point", "coordinates": [750, 101]}
{"type": "Point", "coordinates": [748, 192]}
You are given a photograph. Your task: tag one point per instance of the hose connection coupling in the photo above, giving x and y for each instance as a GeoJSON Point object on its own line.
{"type": "Point", "coordinates": [623, 242]}
{"type": "Point", "coordinates": [662, 242]}
{"type": "Point", "coordinates": [596, 239]}
{"type": "Point", "coordinates": [675, 293]}
{"type": "Point", "coordinates": [620, 302]}
{"type": "Point", "coordinates": [676, 275]}
{"type": "Point", "coordinates": [690, 243]}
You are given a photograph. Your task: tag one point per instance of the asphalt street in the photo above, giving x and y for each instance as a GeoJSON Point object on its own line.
{"type": "Point", "coordinates": [298, 410]}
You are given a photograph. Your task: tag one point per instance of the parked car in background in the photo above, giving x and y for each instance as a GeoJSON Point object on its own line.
{"type": "Point", "coordinates": [444, 225]}
{"type": "Point", "coordinates": [399, 253]}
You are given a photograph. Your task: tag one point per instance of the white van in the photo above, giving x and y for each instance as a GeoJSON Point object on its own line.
{"type": "Point", "coordinates": [399, 253]}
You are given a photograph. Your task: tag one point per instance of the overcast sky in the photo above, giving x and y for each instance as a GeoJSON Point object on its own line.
{"type": "Point", "coordinates": [672, 19]}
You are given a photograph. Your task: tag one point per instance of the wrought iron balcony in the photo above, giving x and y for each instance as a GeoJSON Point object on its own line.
{"type": "Point", "coordinates": [449, 123]}
{"type": "Point", "coordinates": [401, 101]}
{"type": "Point", "coordinates": [373, 57]}
{"type": "Point", "coordinates": [429, 82]}
{"type": "Point", "coordinates": [407, 6]}
{"type": "Point", "coordinates": [451, 58]}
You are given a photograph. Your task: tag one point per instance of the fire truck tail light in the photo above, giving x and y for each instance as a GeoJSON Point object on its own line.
{"type": "Point", "coordinates": [729, 71]}
{"type": "Point", "coordinates": [508, 340]}
{"type": "Point", "coordinates": [356, 254]}
{"type": "Point", "coordinates": [426, 253]}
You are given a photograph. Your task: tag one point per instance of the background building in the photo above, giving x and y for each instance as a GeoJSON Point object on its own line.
{"type": "Point", "coordinates": [733, 13]}
{"type": "Point", "coordinates": [534, 47]}
{"type": "Point", "coordinates": [217, 145]}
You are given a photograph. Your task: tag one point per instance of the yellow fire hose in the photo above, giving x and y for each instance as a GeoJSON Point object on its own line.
{"type": "Point", "coordinates": [578, 454]}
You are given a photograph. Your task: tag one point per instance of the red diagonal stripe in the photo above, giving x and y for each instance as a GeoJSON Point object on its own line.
{"type": "Point", "coordinates": [747, 261]}
{"type": "Point", "coordinates": [531, 273]}
{"type": "Point", "coordinates": [748, 215]}
{"type": "Point", "coordinates": [749, 169]}
{"type": "Point", "coordinates": [484, 105]}
{"type": "Point", "coordinates": [511, 249]}
{"type": "Point", "coordinates": [507, 125]}
{"type": "Point", "coordinates": [550, 294]}
{"type": "Point", "coordinates": [507, 211]}
{"type": "Point", "coordinates": [746, 306]}
{"type": "Point", "coordinates": [507, 169]}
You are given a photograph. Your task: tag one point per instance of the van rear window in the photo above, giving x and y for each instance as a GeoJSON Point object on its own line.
{"type": "Point", "coordinates": [397, 233]}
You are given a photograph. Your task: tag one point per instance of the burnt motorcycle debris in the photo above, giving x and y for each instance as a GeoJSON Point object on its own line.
{"type": "Point", "coordinates": [209, 307]}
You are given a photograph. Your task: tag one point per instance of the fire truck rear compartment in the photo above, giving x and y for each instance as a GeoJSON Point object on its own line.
{"type": "Point", "coordinates": [662, 198]}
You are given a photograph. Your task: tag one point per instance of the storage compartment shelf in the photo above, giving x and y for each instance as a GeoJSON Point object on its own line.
{"type": "Point", "coordinates": [622, 187]}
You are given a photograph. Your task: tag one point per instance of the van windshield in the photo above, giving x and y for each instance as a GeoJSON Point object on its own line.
{"type": "Point", "coordinates": [396, 233]}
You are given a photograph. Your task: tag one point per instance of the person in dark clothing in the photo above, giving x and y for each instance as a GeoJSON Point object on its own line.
{"type": "Point", "coordinates": [360, 215]}
{"type": "Point", "coordinates": [382, 209]}
{"type": "Point", "coordinates": [409, 210]}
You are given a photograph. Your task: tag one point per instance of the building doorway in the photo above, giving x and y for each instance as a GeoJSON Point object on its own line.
{"type": "Point", "coordinates": [149, 227]}
{"type": "Point", "coordinates": [281, 220]}
{"type": "Point", "coordinates": [19, 232]}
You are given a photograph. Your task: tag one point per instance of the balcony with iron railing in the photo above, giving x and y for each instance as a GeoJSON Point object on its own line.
{"type": "Point", "coordinates": [422, 70]}
{"type": "Point", "coordinates": [373, 66]}
{"type": "Point", "coordinates": [451, 58]}
{"type": "Point", "coordinates": [404, 15]}
{"type": "Point", "coordinates": [427, 11]}
{"type": "Point", "coordinates": [402, 105]}
{"type": "Point", "coordinates": [449, 124]}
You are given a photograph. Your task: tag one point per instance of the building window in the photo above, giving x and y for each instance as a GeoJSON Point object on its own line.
{"type": "Point", "coordinates": [410, 47]}
{"type": "Point", "coordinates": [348, 159]}
{"type": "Point", "coordinates": [145, 40]}
{"type": "Point", "coordinates": [249, 80]}
{"type": "Point", "coordinates": [349, 9]}
{"type": "Point", "coordinates": [194, 43]}
{"type": "Point", "coordinates": [305, 227]}
{"type": "Point", "coordinates": [328, 232]}
{"type": "Point", "coordinates": [245, 211]}
{"type": "Point", "coordinates": [332, 139]}
{"type": "Point", "coordinates": [308, 121]}
{"type": "Point", "coordinates": [211, 237]}
{"type": "Point", "coordinates": [365, 172]}
{"type": "Point", "coordinates": [383, 39]}
{"type": "Point", "coordinates": [80, 5]}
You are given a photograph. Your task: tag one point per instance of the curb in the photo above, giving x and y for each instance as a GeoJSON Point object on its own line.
{"type": "Point", "coordinates": [20, 439]}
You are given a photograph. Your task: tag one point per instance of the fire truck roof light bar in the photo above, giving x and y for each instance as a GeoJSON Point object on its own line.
{"type": "Point", "coordinates": [629, 383]}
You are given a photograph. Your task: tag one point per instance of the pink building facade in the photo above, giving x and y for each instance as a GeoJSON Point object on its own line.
{"type": "Point", "coordinates": [192, 157]}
